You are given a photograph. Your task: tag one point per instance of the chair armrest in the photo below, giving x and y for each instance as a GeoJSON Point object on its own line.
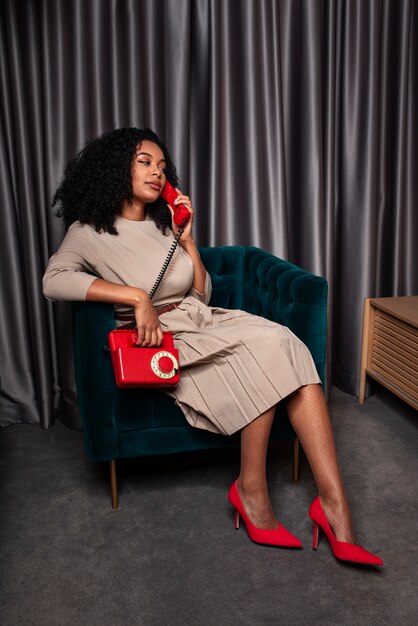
{"type": "Point", "coordinates": [96, 388]}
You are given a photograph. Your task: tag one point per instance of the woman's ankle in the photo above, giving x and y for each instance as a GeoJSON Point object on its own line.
{"type": "Point", "coordinates": [250, 487]}
{"type": "Point", "coordinates": [337, 512]}
{"type": "Point", "coordinates": [256, 502]}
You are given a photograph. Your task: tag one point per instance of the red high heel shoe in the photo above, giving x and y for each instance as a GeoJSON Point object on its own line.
{"type": "Point", "coordinates": [275, 537]}
{"type": "Point", "coordinates": [341, 549]}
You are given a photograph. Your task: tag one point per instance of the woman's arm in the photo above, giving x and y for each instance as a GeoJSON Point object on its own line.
{"type": "Point", "coordinates": [70, 276]}
{"type": "Point", "coordinates": [71, 270]}
{"type": "Point", "coordinates": [188, 244]}
{"type": "Point", "coordinates": [149, 329]}
{"type": "Point", "coordinates": [199, 270]}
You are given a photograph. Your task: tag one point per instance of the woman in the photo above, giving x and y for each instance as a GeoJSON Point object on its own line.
{"type": "Point", "coordinates": [120, 229]}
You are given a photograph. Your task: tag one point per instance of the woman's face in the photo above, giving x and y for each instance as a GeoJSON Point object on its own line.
{"type": "Point", "coordinates": [148, 172]}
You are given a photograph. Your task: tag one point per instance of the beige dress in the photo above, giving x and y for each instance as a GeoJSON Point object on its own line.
{"type": "Point", "coordinates": [234, 366]}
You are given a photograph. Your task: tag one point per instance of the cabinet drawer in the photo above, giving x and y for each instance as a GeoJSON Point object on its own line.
{"type": "Point", "coordinates": [394, 355]}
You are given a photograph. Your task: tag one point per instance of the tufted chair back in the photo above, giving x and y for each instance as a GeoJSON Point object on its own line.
{"type": "Point", "coordinates": [248, 278]}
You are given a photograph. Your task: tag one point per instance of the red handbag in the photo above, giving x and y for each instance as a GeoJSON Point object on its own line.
{"type": "Point", "coordinates": [135, 366]}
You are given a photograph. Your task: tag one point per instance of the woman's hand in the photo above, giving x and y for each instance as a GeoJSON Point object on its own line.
{"type": "Point", "coordinates": [188, 244]}
{"type": "Point", "coordinates": [148, 324]}
{"type": "Point", "coordinates": [182, 199]}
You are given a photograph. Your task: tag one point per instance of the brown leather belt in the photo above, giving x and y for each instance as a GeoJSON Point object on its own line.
{"type": "Point", "coordinates": [130, 317]}
{"type": "Point", "coordinates": [167, 307]}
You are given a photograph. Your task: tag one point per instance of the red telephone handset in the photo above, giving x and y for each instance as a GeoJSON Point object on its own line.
{"type": "Point", "coordinates": [181, 212]}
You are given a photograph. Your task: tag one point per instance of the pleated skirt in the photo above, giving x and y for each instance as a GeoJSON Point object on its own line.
{"type": "Point", "coordinates": [234, 366]}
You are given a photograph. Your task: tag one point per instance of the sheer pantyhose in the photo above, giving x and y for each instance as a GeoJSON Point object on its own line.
{"type": "Point", "coordinates": [308, 413]}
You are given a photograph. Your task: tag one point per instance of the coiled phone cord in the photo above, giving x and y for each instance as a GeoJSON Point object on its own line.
{"type": "Point", "coordinates": [163, 269]}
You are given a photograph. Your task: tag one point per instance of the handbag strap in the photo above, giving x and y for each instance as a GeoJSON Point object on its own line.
{"type": "Point", "coordinates": [163, 269]}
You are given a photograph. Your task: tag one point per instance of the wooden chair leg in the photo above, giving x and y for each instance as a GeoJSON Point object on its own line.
{"type": "Point", "coordinates": [296, 460]}
{"type": "Point", "coordinates": [114, 484]}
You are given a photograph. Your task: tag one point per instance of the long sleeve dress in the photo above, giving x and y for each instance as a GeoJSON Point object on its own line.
{"type": "Point", "coordinates": [234, 366]}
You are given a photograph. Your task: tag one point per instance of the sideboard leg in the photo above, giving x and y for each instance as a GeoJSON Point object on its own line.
{"type": "Point", "coordinates": [364, 350]}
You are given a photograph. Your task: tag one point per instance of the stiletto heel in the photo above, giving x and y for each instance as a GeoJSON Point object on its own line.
{"type": "Point", "coordinates": [315, 537]}
{"type": "Point", "coordinates": [279, 536]}
{"type": "Point", "coordinates": [236, 519]}
{"type": "Point", "coordinates": [340, 549]}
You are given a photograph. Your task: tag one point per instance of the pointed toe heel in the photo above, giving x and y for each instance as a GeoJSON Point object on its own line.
{"type": "Point", "coordinates": [341, 549]}
{"type": "Point", "coordinates": [279, 537]}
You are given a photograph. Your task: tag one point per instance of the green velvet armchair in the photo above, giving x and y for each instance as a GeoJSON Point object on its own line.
{"type": "Point", "coordinates": [120, 423]}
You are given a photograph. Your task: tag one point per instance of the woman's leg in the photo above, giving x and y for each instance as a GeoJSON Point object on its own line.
{"type": "Point", "coordinates": [308, 413]}
{"type": "Point", "coordinates": [309, 416]}
{"type": "Point", "coordinates": [252, 481]}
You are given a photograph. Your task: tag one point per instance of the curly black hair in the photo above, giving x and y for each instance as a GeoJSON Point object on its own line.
{"type": "Point", "coordinates": [98, 180]}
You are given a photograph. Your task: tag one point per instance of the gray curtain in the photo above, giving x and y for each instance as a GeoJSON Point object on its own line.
{"type": "Point", "coordinates": [293, 124]}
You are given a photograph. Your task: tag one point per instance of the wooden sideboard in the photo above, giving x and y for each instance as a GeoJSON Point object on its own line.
{"type": "Point", "coordinates": [390, 346]}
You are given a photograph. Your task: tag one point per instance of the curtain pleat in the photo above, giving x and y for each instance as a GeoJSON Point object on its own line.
{"type": "Point", "coordinates": [293, 125]}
